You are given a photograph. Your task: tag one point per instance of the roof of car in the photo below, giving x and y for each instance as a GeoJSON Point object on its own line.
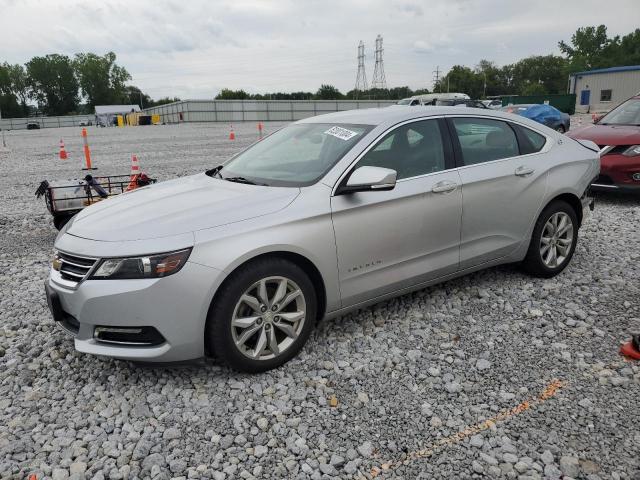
{"type": "Point", "coordinates": [394, 114]}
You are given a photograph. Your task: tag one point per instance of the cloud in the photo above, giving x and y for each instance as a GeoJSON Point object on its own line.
{"type": "Point", "coordinates": [411, 9]}
{"type": "Point", "coordinates": [193, 48]}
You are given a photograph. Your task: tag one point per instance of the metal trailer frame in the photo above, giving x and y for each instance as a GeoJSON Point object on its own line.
{"type": "Point", "coordinates": [112, 184]}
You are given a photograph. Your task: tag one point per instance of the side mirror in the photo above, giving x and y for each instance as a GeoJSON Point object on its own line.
{"type": "Point", "coordinates": [365, 179]}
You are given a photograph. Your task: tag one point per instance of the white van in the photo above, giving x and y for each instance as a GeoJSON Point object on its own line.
{"type": "Point", "coordinates": [431, 98]}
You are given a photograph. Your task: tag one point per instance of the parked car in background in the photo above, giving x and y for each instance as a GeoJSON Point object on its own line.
{"type": "Point", "coordinates": [494, 104]}
{"type": "Point", "coordinates": [618, 135]}
{"type": "Point", "coordinates": [411, 102]}
{"type": "Point", "coordinates": [432, 98]}
{"type": "Point", "coordinates": [327, 215]}
{"type": "Point", "coordinates": [33, 126]}
{"type": "Point", "coordinates": [541, 113]}
{"type": "Point", "coordinates": [459, 102]}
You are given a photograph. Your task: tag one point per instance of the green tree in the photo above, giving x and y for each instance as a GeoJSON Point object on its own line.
{"type": "Point", "coordinates": [533, 89]}
{"type": "Point", "coordinates": [625, 50]}
{"type": "Point", "coordinates": [587, 48]}
{"type": "Point", "coordinates": [228, 94]}
{"type": "Point", "coordinates": [9, 106]}
{"type": "Point", "coordinates": [462, 80]}
{"type": "Point", "coordinates": [101, 80]}
{"type": "Point", "coordinates": [328, 92]}
{"type": "Point", "coordinates": [134, 96]}
{"type": "Point", "coordinates": [164, 101]}
{"type": "Point", "coordinates": [548, 73]}
{"type": "Point", "coordinates": [19, 85]}
{"type": "Point", "coordinates": [53, 84]}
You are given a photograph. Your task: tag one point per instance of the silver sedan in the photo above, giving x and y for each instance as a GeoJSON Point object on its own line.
{"type": "Point", "coordinates": [326, 215]}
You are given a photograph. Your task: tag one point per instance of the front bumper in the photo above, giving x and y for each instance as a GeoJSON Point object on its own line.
{"type": "Point", "coordinates": [618, 173]}
{"type": "Point", "coordinates": [175, 307]}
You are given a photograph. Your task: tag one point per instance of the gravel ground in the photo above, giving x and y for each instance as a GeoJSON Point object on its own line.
{"type": "Point", "coordinates": [401, 375]}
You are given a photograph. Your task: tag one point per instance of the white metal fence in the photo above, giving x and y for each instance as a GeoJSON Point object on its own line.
{"type": "Point", "coordinates": [44, 122]}
{"type": "Point", "coordinates": [216, 111]}
{"type": "Point", "coordinates": [255, 110]}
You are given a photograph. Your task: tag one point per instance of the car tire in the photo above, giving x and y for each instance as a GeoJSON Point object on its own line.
{"type": "Point", "coordinates": [237, 328]}
{"type": "Point", "coordinates": [556, 224]}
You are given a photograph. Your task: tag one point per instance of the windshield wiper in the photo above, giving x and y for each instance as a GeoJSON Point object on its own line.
{"type": "Point", "coordinates": [242, 180]}
{"type": "Point", "coordinates": [215, 172]}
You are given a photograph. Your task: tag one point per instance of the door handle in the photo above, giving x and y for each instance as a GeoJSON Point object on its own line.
{"type": "Point", "coordinates": [444, 187]}
{"type": "Point", "coordinates": [523, 171]}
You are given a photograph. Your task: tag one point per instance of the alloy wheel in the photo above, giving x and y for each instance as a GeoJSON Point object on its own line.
{"type": "Point", "coordinates": [556, 239]}
{"type": "Point", "coordinates": [268, 318]}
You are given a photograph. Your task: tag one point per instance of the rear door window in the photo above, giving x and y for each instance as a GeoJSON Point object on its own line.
{"type": "Point", "coordinates": [484, 140]}
{"type": "Point", "coordinates": [530, 141]}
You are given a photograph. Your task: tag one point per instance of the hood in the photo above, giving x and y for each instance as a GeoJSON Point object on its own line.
{"type": "Point", "coordinates": [608, 134]}
{"type": "Point", "coordinates": [177, 206]}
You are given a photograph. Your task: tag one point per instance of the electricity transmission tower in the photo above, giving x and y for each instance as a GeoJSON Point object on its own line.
{"type": "Point", "coordinates": [436, 79]}
{"type": "Point", "coordinates": [361, 78]}
{"type": "Point", "coordinates": [379, 80]}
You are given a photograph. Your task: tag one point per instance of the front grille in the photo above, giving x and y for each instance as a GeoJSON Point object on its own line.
{"type": "Point", "coordinates": [74, 268]}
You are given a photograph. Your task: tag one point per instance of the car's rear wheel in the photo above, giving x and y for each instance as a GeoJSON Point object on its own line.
{"type": "Point", "coordinates": [553, 240]}
{"type": "Point", "coordinates": [262, 315]}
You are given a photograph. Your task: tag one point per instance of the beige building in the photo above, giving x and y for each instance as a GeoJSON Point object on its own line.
{"type": "Point", "coordinates": [601, 90]}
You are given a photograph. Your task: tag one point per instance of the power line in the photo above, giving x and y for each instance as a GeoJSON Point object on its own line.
{"type": "Point", "coordinates": [361, 77]}
{"type": "Point", "coordinates": [436, 78]}
{"type": "Point", "coordinates": [379, 79]}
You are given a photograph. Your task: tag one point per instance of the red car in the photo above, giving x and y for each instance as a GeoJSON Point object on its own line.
{"type": "Point", "coordinates": [618, 136]}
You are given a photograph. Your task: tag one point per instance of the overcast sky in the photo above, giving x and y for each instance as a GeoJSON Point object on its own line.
{"type": "Point", "coordinates": [193, 48]}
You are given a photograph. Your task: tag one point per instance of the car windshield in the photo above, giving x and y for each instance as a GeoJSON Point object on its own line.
{"type": "Point", "coordinates": [627, 113]}
{"type": "Point", "coordinates": [295, 156]}
{"type": "Point", "coordinates": [404, 101]}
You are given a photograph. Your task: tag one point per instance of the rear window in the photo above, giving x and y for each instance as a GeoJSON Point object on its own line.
{"type": "Point", "coordinates": [530, 141]}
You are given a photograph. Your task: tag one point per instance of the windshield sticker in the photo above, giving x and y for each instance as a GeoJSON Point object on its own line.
{"type": "Point", "coordinates": [341, 133]}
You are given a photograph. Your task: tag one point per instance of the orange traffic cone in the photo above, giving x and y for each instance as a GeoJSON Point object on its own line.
{"type": "Point", "coordinates": [260, 129]}
{"type": "Point", "coordinates": [135, 173]}
{"type": "Point", "coordinates": [631, 349]}
{"type": "Point", "coordinates": [232, 135]}
{"type": "Point", "coordinates": [63, 152]}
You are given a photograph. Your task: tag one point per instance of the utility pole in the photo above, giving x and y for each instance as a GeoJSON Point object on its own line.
{"type": "Point", "coordinates": [484, 91]}
{"type": "Point", "coordinates": [361, 77]}
{"type": "Point", "coordinates": [379, 79]}
{"type": "Point", "coordinates": [436, 79]}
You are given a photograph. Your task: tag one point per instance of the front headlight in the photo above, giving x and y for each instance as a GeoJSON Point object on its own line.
{"type": "Point", "coordinates": [632, 151]}
{"type": "Point", "coordinates": [151, 266]}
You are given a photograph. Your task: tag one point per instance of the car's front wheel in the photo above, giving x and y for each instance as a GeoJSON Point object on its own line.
{"type": "Point", "coordinates": [553, 240]}
{"type": "Point", "coordinates": [262, 315]}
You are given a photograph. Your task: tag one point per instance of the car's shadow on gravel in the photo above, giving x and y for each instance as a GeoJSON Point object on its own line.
{"type": "Point", "coordinates": [618, 198]}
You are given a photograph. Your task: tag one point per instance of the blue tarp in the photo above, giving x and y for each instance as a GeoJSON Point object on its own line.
{"type": "Point", "coordinates": [544, 114]}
